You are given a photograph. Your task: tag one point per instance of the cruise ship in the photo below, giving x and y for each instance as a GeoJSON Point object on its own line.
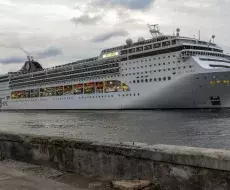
{"type": "Point", "coordinates": [163, 72]}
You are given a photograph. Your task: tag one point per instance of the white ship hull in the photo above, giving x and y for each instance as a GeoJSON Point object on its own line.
{"type": "Point", "coordinates": [185, 92]}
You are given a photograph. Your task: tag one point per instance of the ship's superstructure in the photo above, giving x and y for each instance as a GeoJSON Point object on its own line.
{"type": "Point", "coordinates": [166, 71]}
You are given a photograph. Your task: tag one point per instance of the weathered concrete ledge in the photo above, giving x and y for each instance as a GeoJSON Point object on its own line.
{"type": "Point", "coordinates": [171, 167]}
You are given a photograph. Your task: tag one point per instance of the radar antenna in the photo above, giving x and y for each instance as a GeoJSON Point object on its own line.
{"type": "Point", "coordinates": [213, 37]}
{"type": "Point", "coordinates": [154, 30]}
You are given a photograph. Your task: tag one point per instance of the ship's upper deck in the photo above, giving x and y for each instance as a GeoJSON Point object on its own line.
{"type": "Point", "coordinates": [162, 38]}
{"type": "Point", "coordinates": [158, 42]}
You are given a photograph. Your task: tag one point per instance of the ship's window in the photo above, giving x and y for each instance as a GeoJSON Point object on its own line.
{"type": "Point", "coordinates": [155, 65]}
{"type": "Point", "coordinates": [146, 80]}
{"type": "Point", "coordinates": [169, 78]}
{"type": "Point", "coordinates": [142, 80]}
{"type": "Point", "coordinates": [155, 71]}
{"type": "Point", "coordinates": [169, 63]}
{"type": "Point", "coordinates": [159, 79]}
{"type": "Point", "coordinates": [164, 78]}
{"type": "Point", "coordinates": [174, 69]}
{"type": "Point", "coordinates": [133, 67]}
{"type": "Point", "coordinates": [159, 64]}
{"type": "Point", "coordinates": [150, 80]}
{"type": "Point", "coordinates": [131, 50]}
{"type": "Point", "coordinates": [163, 63]}
{"type": "Point", "coordinates": [138, 81]}
{"type": "Point", "coordinates": [149, 59]}
{"type": "Point", "coordinates": [159, 70]}
{"type": "Point", "coordinates": [179, 68]}
{"type": "Point", "coordinates": [148, 47]}
{"type": "Point", "coordinates": [139, 49]}
{"type": "Point", "coordinates": [134, 81]}
{"type": "Point", "coordinates": [141, 66]}
{"type": "Point", "coordinates": [150, 65]}
{"type": "Point", "coordinates": [155, 79]}
{"type": "Point", "coordinates": [163, 69]}
{"type": "Point", "coordinates": [190, 66]}
{"type": "Point", "coordinates": [184, 67]}
{"type": "Point", "coordinates": [178, 61]}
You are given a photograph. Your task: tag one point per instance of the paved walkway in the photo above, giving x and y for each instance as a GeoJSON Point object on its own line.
{"type": "Point", "coordinates": [20, 176]}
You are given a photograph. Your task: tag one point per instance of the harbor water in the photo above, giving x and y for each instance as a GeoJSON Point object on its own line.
{"type": "Point", "coordinates": [199, 128]}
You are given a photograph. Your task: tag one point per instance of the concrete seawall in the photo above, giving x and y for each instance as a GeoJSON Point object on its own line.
{"type": "Point", "coordinates": [170, 167]}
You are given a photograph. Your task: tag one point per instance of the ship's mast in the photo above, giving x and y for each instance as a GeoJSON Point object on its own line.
{"type": "Point", "coordinates": [154, 30]}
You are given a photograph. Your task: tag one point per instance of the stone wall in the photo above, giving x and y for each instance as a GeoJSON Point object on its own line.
{"type": "Point", "coordinates": [170, 167]}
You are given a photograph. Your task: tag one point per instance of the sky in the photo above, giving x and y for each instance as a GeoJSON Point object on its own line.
{"type": "Point", "coordinates": [61, 31]}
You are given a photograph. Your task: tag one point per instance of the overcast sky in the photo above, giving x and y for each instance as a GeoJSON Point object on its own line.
{"type": "Point", "coordinates": [60, 31]}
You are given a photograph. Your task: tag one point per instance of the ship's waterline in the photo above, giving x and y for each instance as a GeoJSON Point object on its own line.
{"type": "Point", "coordinates": [162, 72]}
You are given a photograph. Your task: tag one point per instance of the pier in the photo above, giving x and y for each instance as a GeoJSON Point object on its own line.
{"type": "Point", "coordinates": [164, 166]}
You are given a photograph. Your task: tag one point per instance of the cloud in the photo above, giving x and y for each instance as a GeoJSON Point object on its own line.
{"type": "Point", "coordinates": [130, 4]}
{"type": "Point", "coordinates": [109, 35]}
{"type": "Point", "coordinates": [49, 52]}
{"type": "Point", "coordinates": [86, 19]}
{"type": "Point", "coordinates": [11, 60]}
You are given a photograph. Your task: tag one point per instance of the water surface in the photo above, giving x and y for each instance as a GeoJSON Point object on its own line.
{"type": "Point", "coordinates": [200, 128]}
